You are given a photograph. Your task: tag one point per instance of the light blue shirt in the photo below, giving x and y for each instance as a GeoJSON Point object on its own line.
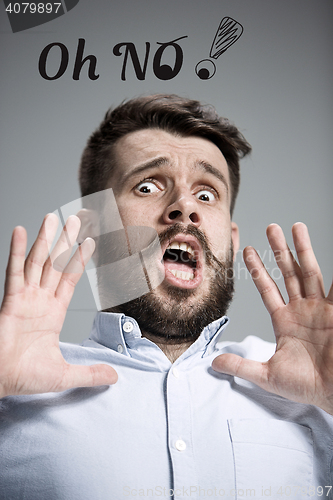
{"type": "Point", "coordinates": [163, 430]}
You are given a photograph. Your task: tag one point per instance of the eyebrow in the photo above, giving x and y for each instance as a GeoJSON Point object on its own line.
{"type": "Point", "coordinates": [158, 162]}
{"type": "Point", "coordinates": [207, 167]}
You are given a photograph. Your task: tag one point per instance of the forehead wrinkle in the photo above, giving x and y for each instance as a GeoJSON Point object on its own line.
{"type": "Point", "coordinates": [205, 165]}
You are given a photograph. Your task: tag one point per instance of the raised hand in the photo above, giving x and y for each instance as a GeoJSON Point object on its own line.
{"type": "Point", "coordinates": [37, 295]}
{"type": "Point", "coordinates": [302, 366]}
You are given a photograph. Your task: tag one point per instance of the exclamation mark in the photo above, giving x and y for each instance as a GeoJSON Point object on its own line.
{"type": "Point", "coordinates": [227, 34]}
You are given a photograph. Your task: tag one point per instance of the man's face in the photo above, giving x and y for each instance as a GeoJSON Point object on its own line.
{"type": "Point", "coordinates": [180, 187]}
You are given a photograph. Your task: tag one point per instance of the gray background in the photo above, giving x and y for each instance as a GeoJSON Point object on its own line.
{"type": "Point", "coordinates": [274, 83]}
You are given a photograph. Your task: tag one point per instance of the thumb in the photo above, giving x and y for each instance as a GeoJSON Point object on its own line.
{"type": "Point", "coordinates": [250, 370]}
{"type": "Point", "coordinates": [88, 376]}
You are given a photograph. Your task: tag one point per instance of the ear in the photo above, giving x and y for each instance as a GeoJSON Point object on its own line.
{"type": "Point", "coordinates": [235, 238]}
{"type": "Point", "coordinates": [89, 224]}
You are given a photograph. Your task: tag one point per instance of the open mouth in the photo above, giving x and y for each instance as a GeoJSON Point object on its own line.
{"type": "Point", "coordinates": [182, 261]}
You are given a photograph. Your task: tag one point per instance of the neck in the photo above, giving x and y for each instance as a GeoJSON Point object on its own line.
{"type": "Point", "coordinates": [171, 350]}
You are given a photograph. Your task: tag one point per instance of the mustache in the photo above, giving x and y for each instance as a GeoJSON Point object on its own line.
{"type": "Point", "coordinates": [169, 233]}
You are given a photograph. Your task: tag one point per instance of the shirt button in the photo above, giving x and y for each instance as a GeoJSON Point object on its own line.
{"type": "Point", "coordinates": [180, 445]}
{"type": "Point", "coordinates": [120, 348]}
{"type": "Point", "coordinates": [175, 372]}
{"type": "Point", "coordinates": [128, 326]}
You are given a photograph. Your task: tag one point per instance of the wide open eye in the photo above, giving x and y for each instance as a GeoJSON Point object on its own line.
{"type": "Point", "coordinates": [205, 195]}
{"type": "Point", "coordinates": [147, 187]}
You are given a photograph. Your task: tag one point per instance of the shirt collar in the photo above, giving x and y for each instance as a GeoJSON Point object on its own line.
{"type": "Point", "coordinates": [113, 330]}
{"type": "Point", "coordinates": [122, 333]}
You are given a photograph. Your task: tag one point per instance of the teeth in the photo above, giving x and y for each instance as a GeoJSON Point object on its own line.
{"type": "Point", "coordinates": [183, 275]}
{"type": "Point", "coordinates": [181, 246]}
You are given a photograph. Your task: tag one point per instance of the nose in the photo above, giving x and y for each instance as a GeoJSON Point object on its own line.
{"type": "Point", "coordinates": [183, 209]}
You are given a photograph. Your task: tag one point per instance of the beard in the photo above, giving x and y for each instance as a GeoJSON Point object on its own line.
{"type": "Point", "coordinates": [179, 315]}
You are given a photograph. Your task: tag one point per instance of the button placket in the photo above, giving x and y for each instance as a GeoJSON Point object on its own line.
{"type": "Point", "coordinates": [180, 431]}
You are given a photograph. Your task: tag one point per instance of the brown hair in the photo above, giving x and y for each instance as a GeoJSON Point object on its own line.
{"type": "Point", "coordinates": [171, 113]}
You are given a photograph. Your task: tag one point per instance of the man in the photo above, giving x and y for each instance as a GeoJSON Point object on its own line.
{"type": "Point", "coordinates": [188, 416]}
